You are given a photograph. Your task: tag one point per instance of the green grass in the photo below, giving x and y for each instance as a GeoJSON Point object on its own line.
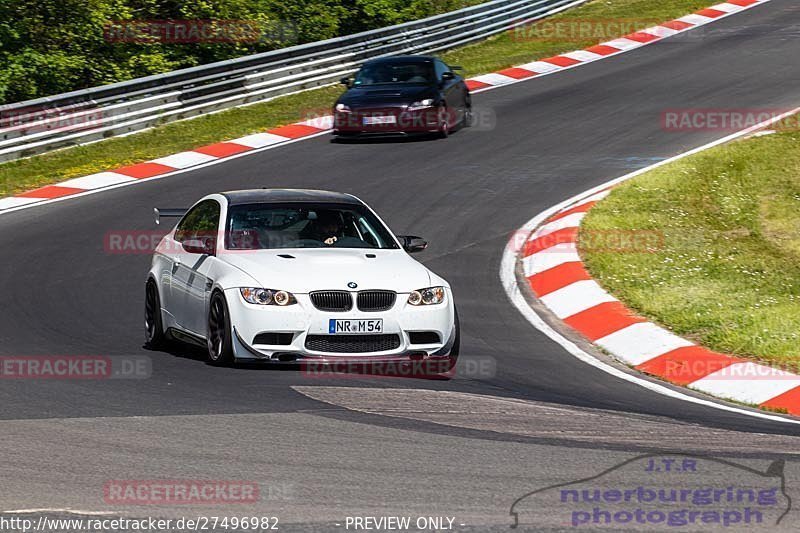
{"type": "Point", "coordinates": [525, 45]}
{"type": "Point", "coordinates": [728, 273]}
{"type": "Point", "coordinates": [502, 51]}
{"type": "Point", "coordinates": [26, 174]}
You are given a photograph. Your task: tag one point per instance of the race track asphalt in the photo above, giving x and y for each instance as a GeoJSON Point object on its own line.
{"type": "Point", "coordinates": [536, 144]}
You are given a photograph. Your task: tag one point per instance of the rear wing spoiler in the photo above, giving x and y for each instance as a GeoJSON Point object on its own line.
{"type": "Point", "coordinates": [173, 213]}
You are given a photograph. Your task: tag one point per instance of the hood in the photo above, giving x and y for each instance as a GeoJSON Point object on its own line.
{"type": "Point", "coordinates": [377, 95]}
{"type": "Point", "coordinates": [310, 269]}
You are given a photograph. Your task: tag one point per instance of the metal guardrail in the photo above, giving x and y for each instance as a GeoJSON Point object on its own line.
{"type": "Point", "coordinates": [44, 124]}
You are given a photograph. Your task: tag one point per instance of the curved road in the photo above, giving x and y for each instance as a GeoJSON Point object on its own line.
{"type": "Point", "coordinates": [337, 442]}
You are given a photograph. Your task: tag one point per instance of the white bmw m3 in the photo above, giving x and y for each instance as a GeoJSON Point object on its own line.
{"type": "Point", "coordinates": [295, 275]}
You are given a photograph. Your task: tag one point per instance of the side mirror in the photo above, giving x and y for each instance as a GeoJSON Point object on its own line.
{"type": "Point", "coordinates": [412, 244]}
{"type": "Point", "coordinates": [205, 246]}
{"type": "Point", "coordinates": [345, 81]}
{"type": "Point", "coordinates": [447, 76]}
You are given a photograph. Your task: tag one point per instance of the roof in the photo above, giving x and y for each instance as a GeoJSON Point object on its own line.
{"type": "Point", "coordinates": [255, 196]}
{"type": "Point", "coordinates": [401, 59]}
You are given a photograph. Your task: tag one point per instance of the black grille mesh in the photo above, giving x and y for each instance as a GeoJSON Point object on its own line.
{"type": "Point", "coordinates": [352, 343]}
{"type": "Point", "coordinates": [332, 300]}
{"type": "Point", "coordinates": [375, 300]}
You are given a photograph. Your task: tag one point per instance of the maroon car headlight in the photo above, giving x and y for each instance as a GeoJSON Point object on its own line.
{"type": "Point", "coordinates": [421, 104]}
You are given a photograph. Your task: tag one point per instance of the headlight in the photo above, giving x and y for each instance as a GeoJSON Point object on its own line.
{"type": "Point", "coordinates": [343, 108]}
{"type": "Point", "coordinates": [259, 296]}
{"type": "Point", "coordinates": [421, 104]}
{"type": "Point", "coordinates": [429, 296]}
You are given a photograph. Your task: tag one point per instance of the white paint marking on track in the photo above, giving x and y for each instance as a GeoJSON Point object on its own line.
{"type": "Point", "coordinates": [184, 159]}
{"type": "Point", "coordinates": [576, 297]}
{"type": "Point", "coordinates": [641, 342]}
{"type": "Point", "coordinates": [727, 8]}
{"type": "Point", "coordinates": [583, 55]}
{"type": "Point", "coordinates": [260, 140]}
{"type": "Point", "coordinates": [697, 20]}
{"type": "Point", "coordinates": [623, 44]}
{"type": "Point", "coordinates": [540, 67]}
{"type": "Point", "coordinates": [660, 31]}
{"type": "Point", "coordinates": [593, 198]}
{"type": "Point", "coordinates": [16, 201]}
{"type": "Point", "coordinates": [323, 122]}
{"type": "Point", "coordinates": [569, 221]}
{"type": "Point", "coordinates": [494, 79]}
{"type": "Point", "coordinates": [747, 382]}
{"type": "Point", "coordinates": [96, 181]}
{"type": "Point", "coordinates": [550, 258]}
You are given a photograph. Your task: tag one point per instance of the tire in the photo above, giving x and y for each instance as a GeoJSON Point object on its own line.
{"type": "Point", "coordinates": [444, 123]}
{"type": "Point", "coordinates": [469, 119]}
{"type": "Point", "coordinates": [457, 342]}
{"type": "Point", "coordinates": [219, 341]}
{"type": "Point", "coordinates": [154, 336]}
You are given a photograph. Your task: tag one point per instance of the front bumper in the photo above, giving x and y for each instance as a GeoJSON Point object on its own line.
{"type": "Point", "coordinates": [299, 321]}
{"type": "Point", "coordinates": [400, 121]}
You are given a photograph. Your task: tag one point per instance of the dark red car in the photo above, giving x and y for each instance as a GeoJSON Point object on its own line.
{"type": "Point", "coordinates": [403, 95]}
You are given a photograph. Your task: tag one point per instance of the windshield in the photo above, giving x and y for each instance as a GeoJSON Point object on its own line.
{"type": "Point", "coordinates": [270, 226]}
{"type": "Point", "coordinates": [384, 73]}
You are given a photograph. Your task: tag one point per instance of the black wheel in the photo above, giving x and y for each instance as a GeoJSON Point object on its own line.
{"type": "Point", "coordinates": [469, 118]}
{"type": "Point", "coordinates": [457, 342]}
{"type": "Point", "coordinates": [218, 339]}
{"type": "Point", "coordinates": [153, 327]}
{"type": "Point", "coordinates": [444, 123]}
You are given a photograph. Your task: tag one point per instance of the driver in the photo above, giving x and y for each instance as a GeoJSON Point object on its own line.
{"type": "Point", "coordinates": [328, 227]}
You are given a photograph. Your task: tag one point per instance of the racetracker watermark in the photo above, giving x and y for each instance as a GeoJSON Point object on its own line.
{"type": "Point", "coordinates": [400, 118]}
{"type": "Point", "coordinates": [622, 241]}
{"type": "Point", "coordinates": [726, 120]}
{"type": "Point", "coordinates": [579, 30]}
{"type": "Point", "coordinates": [674, 491]}
{"type": "Point", "coordinates": [54, 119]}
{"type": "Point", "coordinates": [718, 367]}
{"type": "Point", "coordinates": [76, 367]}
{"type": "Point", "coordinates": [135, 242]}
{"type": "Point", "coordinates": [180, 491]}
{"type": "Point", "coordinates": [213, 31]}
{"type": "Point", "coordinates": [182, 31]}
{"type": "Point", "coordinates": [412, 366]}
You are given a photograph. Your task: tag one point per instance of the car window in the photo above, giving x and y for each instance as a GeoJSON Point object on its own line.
{"type": "Point", "coordinates": [201, 220]}
{"type": "Point", "coordinates": [394, 73]}
{"type": "Point", "coordinates": [304, 225]}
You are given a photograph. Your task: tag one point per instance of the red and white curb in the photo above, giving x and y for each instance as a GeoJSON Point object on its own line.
{"type": "Point", "coordinates": [166, 165]}
{"type": "Point", "coordinates": [610, 48]}
{"type": "Point", "coordinates": [280, 136]}
{"type": "Point", "coordinates": [555, 274]}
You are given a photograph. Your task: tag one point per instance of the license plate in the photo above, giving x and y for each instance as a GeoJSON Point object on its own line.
{"type": "Point", "coordinates": [385, 119]}
{"type": "Point", "coordinates": [345, 326]}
